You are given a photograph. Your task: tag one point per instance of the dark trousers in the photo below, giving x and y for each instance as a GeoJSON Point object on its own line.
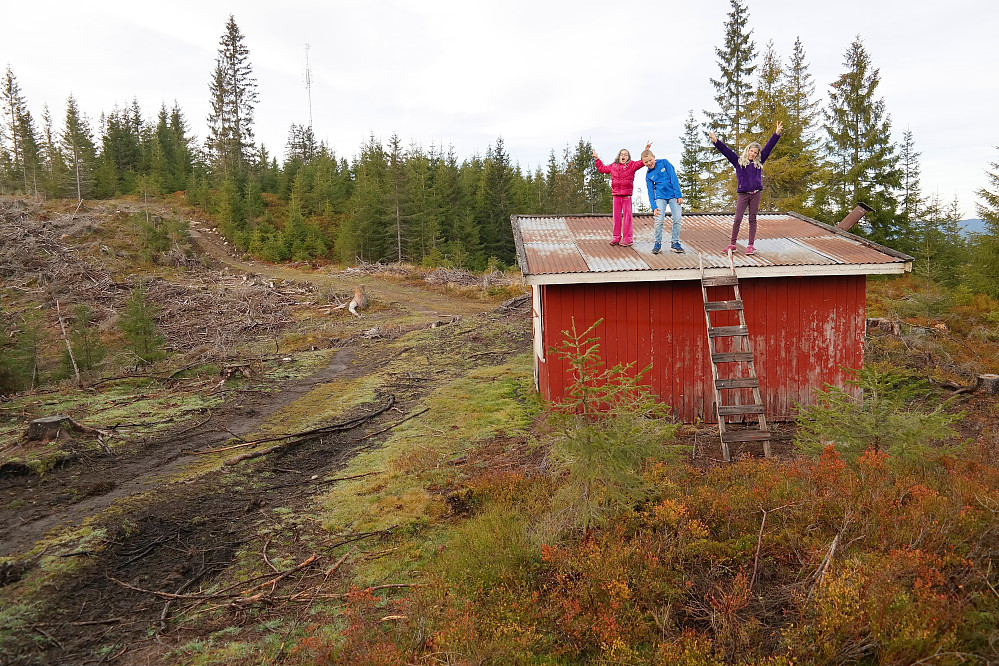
{"type": "Point", "coordinates": [752, 201]}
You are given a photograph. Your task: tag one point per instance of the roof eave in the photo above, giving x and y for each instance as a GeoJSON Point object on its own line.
{"type": "Point", "coordinates": [744, 272]}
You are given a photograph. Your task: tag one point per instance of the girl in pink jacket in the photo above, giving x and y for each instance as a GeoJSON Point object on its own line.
{"type": "Point", "coordinates": [622, 173]}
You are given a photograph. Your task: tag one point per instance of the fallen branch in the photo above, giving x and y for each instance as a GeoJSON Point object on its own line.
{"type": "Point", "coordinates": [411, 416]}
{"type": "Point", "coordinates": [252, 454]}
{"type": "Point", "coordinates": [759, 540]}
{"type": "Point", "coordinates": [312, 558]}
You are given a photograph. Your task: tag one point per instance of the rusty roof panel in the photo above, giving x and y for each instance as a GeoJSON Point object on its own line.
{"type": "Point", "coordinates": [849, 251]}
{"type": "Point", "coordinates": [601, 256]}
{"type": "Point", "coordinates": [554, 258]}
{"type": "Point", "coordinates": [580, 244]}
{"type": "Point", "coordinates": [785, 227]}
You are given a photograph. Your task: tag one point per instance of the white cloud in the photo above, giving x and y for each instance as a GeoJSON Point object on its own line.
{"type": "Point", "coordinates": [541, 74]}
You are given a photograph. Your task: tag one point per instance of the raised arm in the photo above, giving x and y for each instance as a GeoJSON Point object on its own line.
{"type": "Point", "coordinates": [600, 165]}
{"type": "Point", "coordinates": [724, 150]}
{"type": "Point", "coordinates": [765, 153]}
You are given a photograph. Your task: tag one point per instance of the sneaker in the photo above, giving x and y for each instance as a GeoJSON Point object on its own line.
{"type": "Point", "coordinates": [730, 248]}
{"type": "Point", "coordinates": [656, 248]}
{"type": "Point", "coordinates": [614, 242]}
{"type": "Point", "coordinates": [676, 247]}
{"type": "Point", "coordinates": [625, 244]}
{"type": "Point", "coordinates": [750, 249]}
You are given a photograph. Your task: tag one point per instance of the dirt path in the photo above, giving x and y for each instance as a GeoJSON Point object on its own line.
{"type": "Point", "coordinates": [168, 529]}
{"type": "Point", "coordinates": [416, 300]}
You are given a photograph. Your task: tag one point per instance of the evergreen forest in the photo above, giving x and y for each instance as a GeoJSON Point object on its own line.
{"type": "Point", "coordinates": [398, 202]}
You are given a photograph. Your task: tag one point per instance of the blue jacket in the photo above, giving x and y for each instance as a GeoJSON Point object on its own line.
{"type": "Point", "coordinates": [661, 182]}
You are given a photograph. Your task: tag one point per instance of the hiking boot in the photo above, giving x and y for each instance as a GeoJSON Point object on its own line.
{"type": "Point", "coordinates": [676, 247]}
{"type": "Point", "coordinates": [750, 249]}
{"type": "Point", "coordinates": [656, 248]}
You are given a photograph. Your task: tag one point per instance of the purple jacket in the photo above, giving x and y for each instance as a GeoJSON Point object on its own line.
{"type": "Point", "coordinates": [622, 176]}
{"type": "Point", "coordinates": [748, 178]}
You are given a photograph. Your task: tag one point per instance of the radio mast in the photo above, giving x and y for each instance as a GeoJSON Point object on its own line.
{"type": "Point", "coordinates": [308, 82]}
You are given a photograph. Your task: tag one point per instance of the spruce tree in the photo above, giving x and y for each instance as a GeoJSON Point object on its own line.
{"type": "Point", "coordinates": [78, 146]}
{"type": "Point", "coordinates": [30, 152]}
{"type": "Point", "coordinates": [692, 165]}
{"type": "Point", "coordinates": [734, 87]}
{"type": "Point", "coordinates": [863, 158]}
{"type": "Point", "coordinates": [494, 204]}
{"type": "Point", "coordinates": [396, 183]}
{"type": "Point", "coordinates": [233, 99]}
{"type": "Point", "coordinates": [13, 108]}
{"type": "Point", "coordinates": [52, 158]}
{"type": "Point", "coordinates": [85, 338]}
{"type": "Point", "coordinates": [799, 142]}
{"type": "Point", "coordinates": [733, 93]}
{"type": "Point", "coordinates": [139, 326]}
{"type": "Point", "coordinates": [983, 271]}
{"type": "Point", "coordinates": [782, 97]}
{"type": "Point", "coordinates": [911, 198]}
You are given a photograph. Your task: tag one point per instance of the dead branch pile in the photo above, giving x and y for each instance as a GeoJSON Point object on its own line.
{"type": "Point", "coordinates": [202, 307]}
{"type": "Point", "coordinates": [451, 276]}
{"type": "Point", "coordinates": [368, 268]}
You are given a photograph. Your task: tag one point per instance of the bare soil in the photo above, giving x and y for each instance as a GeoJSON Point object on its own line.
{"type": "Point", "coordinates": [169, 528]}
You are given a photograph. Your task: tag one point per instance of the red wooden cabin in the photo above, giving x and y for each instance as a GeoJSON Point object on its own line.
{"type": "Point", "coordinates": [803, 294]}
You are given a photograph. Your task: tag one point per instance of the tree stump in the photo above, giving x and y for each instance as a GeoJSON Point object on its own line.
{"type": "Point", "coordinates": [883, 324]}
{"type": "Point", "coordinates": [59, 426]}
{"type": "Point", "coordinates": [988, 384]}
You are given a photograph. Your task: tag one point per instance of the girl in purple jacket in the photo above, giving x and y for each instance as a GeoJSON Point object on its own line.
{"type": "Point", "coordinates": [749, 182]}
{"type": "Point", "coordinates": [622, 173]}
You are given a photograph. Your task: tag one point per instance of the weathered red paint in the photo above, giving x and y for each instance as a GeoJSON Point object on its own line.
{"type": "Point", "coordinates": [803, 331]}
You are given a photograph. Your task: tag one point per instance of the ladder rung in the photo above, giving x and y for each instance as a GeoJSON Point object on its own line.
{"type": "Point", "coordinates": [727, 331]}
{"type": "Point", "coordinates": [712, 306]}
{"type": "Point", "coordinates": [732, 357]}
{"type": "Point", "coordinates": [746, 436]}
{"type": "Point", "coordinates": [737, 383]}
{"type": "Point", "coordinates": [733, 410]}
{"type": "Point", "coordinates": [720, 281]}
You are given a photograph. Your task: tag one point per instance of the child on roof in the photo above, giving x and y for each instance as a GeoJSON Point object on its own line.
{"type": "Point", "coordinates": [622, 173]}
{"type": "Point", "coordinates": [749, 182]}
{"type": "Point", "coordinates": [664, 190]}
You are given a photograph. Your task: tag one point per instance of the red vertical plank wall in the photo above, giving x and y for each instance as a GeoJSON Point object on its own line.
{"type": "Point", "coordinates": [804, 331]}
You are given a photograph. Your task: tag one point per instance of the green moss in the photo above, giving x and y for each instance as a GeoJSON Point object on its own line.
{"type": "Point", "coordinates": [415, 456]}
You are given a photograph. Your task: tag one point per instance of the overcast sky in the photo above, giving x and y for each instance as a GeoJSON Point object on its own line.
{"type": "Point", "coordinates": [540, 74]}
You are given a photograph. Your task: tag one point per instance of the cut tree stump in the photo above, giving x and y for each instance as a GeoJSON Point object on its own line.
{"type": "Point", "coordinates": [886, 325]}
{"type": "Point", "coordinates": [988, 384]}
{"type": "Point", "coordinates": [59, 426]}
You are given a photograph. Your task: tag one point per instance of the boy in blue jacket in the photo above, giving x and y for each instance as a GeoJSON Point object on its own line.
{"type": "Point", "coordinates": [664, 190]}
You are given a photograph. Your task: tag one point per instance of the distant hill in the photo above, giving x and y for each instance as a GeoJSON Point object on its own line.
{"type": "Point", "coordinates": [972, 226]}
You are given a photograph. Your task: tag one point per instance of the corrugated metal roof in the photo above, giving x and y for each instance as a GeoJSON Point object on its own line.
{"type": "Point", "coordinates": [576, 248]}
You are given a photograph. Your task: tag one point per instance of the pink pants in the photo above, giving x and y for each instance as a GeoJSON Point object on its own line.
{"type": "Point", "coordinates": [622, 220]}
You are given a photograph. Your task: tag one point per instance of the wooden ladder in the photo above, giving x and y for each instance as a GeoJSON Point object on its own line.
{"type": "Point", "coordinates": [740, 332]}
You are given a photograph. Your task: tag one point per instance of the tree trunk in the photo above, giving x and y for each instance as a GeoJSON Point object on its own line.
{"type": "Point", "coordinates": [60, 426]}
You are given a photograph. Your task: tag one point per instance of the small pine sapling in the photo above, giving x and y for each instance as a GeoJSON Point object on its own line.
{"type": "Point", "coordinates": [139, 327]}
{"type": "Point", "coordinates": [891, 414]}
{"type": "Point", "coordinates": [608, 428]}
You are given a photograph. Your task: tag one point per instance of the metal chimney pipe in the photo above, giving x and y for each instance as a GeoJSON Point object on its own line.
{"type": "Point", "coordinates": [854, 216]}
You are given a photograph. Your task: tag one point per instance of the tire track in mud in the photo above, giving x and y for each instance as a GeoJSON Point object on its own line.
{"type": "Point", "coordinates": [181, 535]}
